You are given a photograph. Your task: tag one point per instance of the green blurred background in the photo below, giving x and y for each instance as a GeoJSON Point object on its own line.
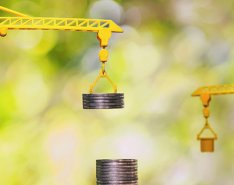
{"type": "Point", "coordinates": [168, 50]}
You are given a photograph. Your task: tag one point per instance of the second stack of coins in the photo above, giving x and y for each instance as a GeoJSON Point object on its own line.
{"type": "Point", "coordinates": [117, 172]}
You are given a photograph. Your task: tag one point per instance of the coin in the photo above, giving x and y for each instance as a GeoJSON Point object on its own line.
{"type": "Point", "coordinates": [112, 161]}
{"type": "Point", "coordinates": [116, 178]}
{"type": "Point", "coordinates": [118, 161]}
{"type": "Point", "coordinates": [117, 182]}
{"type": "Point", "coordinates": [102, 107]}
{"type": "Point", "coordinates": [104, 96]}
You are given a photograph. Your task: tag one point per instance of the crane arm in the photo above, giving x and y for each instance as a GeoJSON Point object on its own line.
{"type": "Point", "coordinates": [44, 23]}
{"type": "Point", "coordinates": [104, 28]}
{"type": "Point", "coordinates": [214, 90]}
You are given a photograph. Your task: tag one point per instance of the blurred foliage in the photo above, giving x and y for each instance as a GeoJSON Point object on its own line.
{"type": "Point", "coordinates": [169, 48]}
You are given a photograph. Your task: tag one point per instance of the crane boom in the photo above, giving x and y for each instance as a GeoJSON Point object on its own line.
{"type": "Point", "coordinates": [46, 23]}
{"type": "Point", "coordinates": [103, 27]}
{"type": "Point", "coordinates": [215, 90]}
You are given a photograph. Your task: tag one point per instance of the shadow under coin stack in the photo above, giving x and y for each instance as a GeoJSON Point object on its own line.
{"type": "Point", "coordinates": [117, 172]}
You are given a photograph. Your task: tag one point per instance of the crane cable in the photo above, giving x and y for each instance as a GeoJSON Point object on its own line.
{"type": "Point", "coordinates": [13, 12]}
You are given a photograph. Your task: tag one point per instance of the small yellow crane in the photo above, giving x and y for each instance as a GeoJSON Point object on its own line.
{"type": "Point", "coordinates": [104, 30]}
{"type": "Point", "coordinates": [205, 93]}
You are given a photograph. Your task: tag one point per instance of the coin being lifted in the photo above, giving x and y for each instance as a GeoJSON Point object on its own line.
{"type": "Point", "coordinates": [103, 101]}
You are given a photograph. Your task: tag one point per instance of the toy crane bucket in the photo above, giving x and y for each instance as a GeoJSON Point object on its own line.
{"type": "Point", "coordinates": [207, 143]}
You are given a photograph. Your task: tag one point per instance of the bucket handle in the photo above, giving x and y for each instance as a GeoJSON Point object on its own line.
{"type": "Point", "coordinates": [207, 126]}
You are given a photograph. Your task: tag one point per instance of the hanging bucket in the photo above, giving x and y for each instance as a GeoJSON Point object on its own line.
{"type": "Point", "coordinates": [207, 144]}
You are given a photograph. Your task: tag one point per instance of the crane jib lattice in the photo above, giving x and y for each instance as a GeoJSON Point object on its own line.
{"type": "Point", "coordinates": [73, 24]}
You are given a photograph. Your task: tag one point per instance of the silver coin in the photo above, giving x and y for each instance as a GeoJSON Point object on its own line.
{"type": "Point", "coordinates": [102, 97]}
{"type": "Point", "coordinates": [117, 163]}
{"type": "Point", "coordinates": [135, 176]}
{"type": "Point", "coordinates": [117, 171]}
{"type": "Point", "coordinates": [120, 174]}
{"type": "Point", "coordinates": [116, 175]}
{"type": "Point", "coordinates": [103, 101]}
{"type": "Point", "coordinates": [115, 160]}
{"type": "Point", "coordinates": [104, 94]}
{"type": "Point", "coordinates": [112, 178]}
{"type": "Point", "coordinates": [103, 107]}
{"type": "Point", "coordinates": [117, 182]}
{"type": "Point", "coordinates": [103, 104]}
{"type": "Point", "coordinates": [123, 169]}
{"type": "Point", "coordinates": [114, 167]}
{"type": "Point", "coordinates": [114, 182]}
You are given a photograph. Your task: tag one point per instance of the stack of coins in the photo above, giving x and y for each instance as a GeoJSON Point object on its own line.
{"type": "Point", "coordinates": [117, 172]}
{"type": "Point", "coordinates": [103, 101]}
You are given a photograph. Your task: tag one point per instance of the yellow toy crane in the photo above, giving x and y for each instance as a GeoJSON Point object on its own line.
{"type": "Point", "coordinates": [207, 142]}
{"type": "Point", "coordinates": [104, 30]}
